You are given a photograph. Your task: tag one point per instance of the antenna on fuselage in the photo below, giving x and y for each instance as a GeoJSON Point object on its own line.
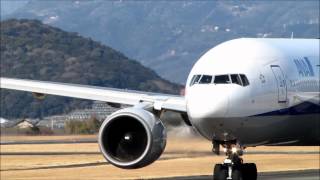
{"type": "Point", "coordinates": [291, 35]}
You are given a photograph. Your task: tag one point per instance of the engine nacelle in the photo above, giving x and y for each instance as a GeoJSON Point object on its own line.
{"type": "Point", "coordinates": [132, 138]}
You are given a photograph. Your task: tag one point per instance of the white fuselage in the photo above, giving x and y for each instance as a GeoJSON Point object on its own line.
{"type": "Point", "coordinates": [279, 103]}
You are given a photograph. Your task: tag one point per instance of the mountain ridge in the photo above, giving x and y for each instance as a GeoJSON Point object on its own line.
{"type": "Point", "coordinates": [33, 50]}
{"type": "Point", "coordinates": [169, 36]}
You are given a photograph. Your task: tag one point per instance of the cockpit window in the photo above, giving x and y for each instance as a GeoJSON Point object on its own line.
{"type": "Point", "coordinates": [195, 79]}
{"type": "Point", "coordinates": [244, 79]}
{"type": "Point", "coordinates": [222, 79]}
{"type": "Point", "coordinates": [205, 79]}
{"type": "Point", "coordinates": [239, 79]}
{"type": "Point", "coordinates": [235, 78]}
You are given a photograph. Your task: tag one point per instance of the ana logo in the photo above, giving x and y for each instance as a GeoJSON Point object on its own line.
{"type": "Point", "coordinates": [304, 67]}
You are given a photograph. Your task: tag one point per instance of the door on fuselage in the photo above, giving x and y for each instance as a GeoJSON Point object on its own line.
{"type": "Point", "coordinates": [281, 83]}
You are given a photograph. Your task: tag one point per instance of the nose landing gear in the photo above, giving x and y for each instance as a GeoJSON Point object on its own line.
{"type": "Point", "coordinates": [233, 166]}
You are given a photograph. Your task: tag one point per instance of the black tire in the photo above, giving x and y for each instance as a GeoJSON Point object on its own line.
{"type": "Point", "coordinates": [236, 174]}
{"type": "Point", "coordinates": [220, 172]}
{"type": "Point", "coordinates": [253, 171]}
{"type": "Point", "coordinates": [249, 171]}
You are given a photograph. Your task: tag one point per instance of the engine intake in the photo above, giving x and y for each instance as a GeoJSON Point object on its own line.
{"type": "Point", "coordinates": [132, 138]}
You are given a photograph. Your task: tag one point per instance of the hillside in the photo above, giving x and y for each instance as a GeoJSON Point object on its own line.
{"type": "Point", "coordinates": [169, 36]}
{"type": "Point", "coordinates": [32, 50]}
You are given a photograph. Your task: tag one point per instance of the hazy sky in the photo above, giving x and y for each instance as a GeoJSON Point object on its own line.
{"type": "Point", "coordinates": [8, 6]}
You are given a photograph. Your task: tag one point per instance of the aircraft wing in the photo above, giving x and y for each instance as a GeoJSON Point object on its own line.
{"type": "Point", "coordinates": [111, 95]}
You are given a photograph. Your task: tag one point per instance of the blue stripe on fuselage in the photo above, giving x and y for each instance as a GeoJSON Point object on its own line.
{"type": "Point", "coordinates": [299, 109]}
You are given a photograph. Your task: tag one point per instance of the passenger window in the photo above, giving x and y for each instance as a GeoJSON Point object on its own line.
{"type": "Point", "coordinates": [222, 79]}
{"type": "Point", "coordinates": [206, 79]}
{"type": "Point", "coordinates": [195, 79]}
{"type": "Point", "coordinates": [235, 79]}
{"type": "Point", "coordinates": [244, 80]}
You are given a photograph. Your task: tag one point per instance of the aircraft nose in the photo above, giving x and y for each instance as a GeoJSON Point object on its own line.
{"type": "Point", "coordinates": [205, 102]}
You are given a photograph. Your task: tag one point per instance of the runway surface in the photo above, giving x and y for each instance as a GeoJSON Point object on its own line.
{"type": "Point", "coordinates": [78, 141]}
{"type": "Point", "coordinates": [288, 175]}
{"type": "Point", "coordinates": [58, 157]}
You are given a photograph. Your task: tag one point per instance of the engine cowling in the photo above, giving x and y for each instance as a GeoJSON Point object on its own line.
{"type": "Point", "coordinates": [132, 138]}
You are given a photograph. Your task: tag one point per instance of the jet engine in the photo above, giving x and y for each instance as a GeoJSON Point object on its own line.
{"type": "Point", "coordinates": [132, 138]}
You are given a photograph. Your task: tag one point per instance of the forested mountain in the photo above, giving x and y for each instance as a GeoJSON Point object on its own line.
{"type": "Point", "coordinates": [33, 50]}
{"type": "Point", "coordinates": [169, 36]}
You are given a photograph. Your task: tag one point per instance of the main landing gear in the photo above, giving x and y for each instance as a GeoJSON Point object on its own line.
{"type": "Point", "coordinates": [233, 166]}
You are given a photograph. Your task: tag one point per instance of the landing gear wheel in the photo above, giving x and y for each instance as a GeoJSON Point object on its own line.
{"type": "Point", "coordinates": [233, 166]}
{"type": "Point", "coordinates": [249, 171]}
{"type": "Point", "coordinates": [220, 172]}
{"type": "Point", "coordinates": [236, 174]}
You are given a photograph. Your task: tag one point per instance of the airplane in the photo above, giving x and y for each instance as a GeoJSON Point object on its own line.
{"type": "Point", "coordinates": [242, 93]}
